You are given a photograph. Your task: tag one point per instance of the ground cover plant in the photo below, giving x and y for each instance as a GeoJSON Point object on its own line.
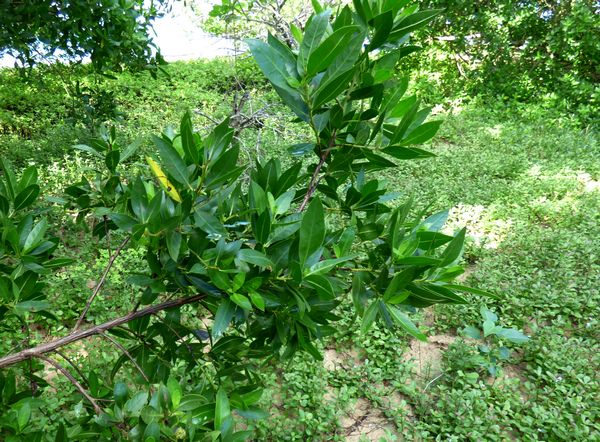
{"type": "Point", "coordinates": [522, 178]}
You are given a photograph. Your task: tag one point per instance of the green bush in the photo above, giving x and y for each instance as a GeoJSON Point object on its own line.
{"type": "Point", "coordinates": [238, 264]}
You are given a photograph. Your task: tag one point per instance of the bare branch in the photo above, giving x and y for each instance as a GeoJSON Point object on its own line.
{"type": "Point", "coordinates": [98, 287]}
{"type": "Point", "coordinates": [74, 381]}
{"type": "Point", "coordinates": [82, 334]}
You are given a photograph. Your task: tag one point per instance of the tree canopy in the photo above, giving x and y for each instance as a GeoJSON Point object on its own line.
{"type": "Point", "coordinates": [111, 33]}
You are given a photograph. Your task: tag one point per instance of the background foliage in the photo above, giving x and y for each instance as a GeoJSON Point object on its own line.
{"type": "Point", "coordinates": [112, 33]}
{"type": "Point", "coordinates": [520, 50]}
{"type": "Point", "coordinates": [513, 50]}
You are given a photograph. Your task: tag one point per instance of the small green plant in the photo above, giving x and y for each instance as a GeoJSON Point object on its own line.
{"type": "Point", "coordinates": [491, 352]}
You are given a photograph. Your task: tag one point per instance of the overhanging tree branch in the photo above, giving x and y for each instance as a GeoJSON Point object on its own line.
{"type": "Point", "coordinates": [78, 335]}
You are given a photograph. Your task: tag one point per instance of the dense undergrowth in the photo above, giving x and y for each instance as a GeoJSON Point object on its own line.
{"type": "Point", "coordinates": [523, 178]}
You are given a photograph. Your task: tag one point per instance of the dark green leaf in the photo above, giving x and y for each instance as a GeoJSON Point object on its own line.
{"type": "Point", "coordinates": [254, 257]}
{"type": "Point", "coordinates": [27, 196]}
{"type": "Point", "coordinates": [398, 282]}
{"type": "Point", "coordinates": [173, 244]}
{"type": "Point", "coordinates": [312, 230]}
{"type": "Point", "coordinates": [261, 226]}
{"type": "Point", "coordinates": [405, 323]}
{"type": "Point", "coordinates": [383, 25]}
{"type": "Point", "coordinates": [171, 161]}
{"type": "Point", "coordinates": [369, 316]}
{"type": "Point", "coordinates": [313, 35]}
{"type": "Point", "coordinates": [222, 410]}
{"type": "Point", "coordinates": [328, 90]}
{"type": "Point", "coordinates": [329, 49]}
{"type": "Point", "coordinates": [326, 265]}
{"type": "Point", "coordinates": [112, 159]}
{"type": "Point", "coordinates": [454, 250]}
{"type": "Point", "coordinates": [187, 140]}
{"type": "Point", "coordinates": [421, 134]}
{"type": "Point", "coordinates": [222, 318]}
{"type": "Point", "coordinates": [209, 223]}
{"type": "Point", "coordinates": [123, 222]}
{"type": "Point", "coordinates": [418, 261]}
{"type": "Point", "coordinates": [432, 240]}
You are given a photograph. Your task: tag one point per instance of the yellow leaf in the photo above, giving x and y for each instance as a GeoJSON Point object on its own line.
{"type": "Point", "coordinates": [163, 180]}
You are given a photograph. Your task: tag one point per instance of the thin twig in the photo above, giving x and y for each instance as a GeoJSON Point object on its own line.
{"type": "Point", "coordinates": [107, 234]}
{"type": "Point", "coordinates": [124, 350]}
{"type": "Point", "coordinates": [208, 117]}
{"type": "Point", "coordinates": [74, 381]}
{"type": "Point", "coordinates": [432, 381]}
{"type": "Point", "coordinates": [72, 364]}
{"type": "Point", "coordinates": [82, 334]}
{"type": "Point", "coordinates": [98, 287]}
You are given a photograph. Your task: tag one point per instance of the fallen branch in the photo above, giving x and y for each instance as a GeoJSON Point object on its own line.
{"type": "Point", "coordinates": [78, 335]}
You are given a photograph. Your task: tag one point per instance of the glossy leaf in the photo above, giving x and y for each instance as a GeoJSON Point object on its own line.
{"type": "Point", "coordinates": [312, 230]}
{"type": "Point", "coordinates": [35, 236]}
{"type": "Point", "coordinates": [222, 410]}
{"type": "Point", "coordinates": [187, 140]}
{"type": "Point", "coordinates": [329, 49]}
{"type": "Point", "coordinates": [454, 249]}
{"type": "Point", "coordinates": [26, 197]}
{"type": "Point", "coordinates": [172, 162]}
{"type": "Point", "coordinates": [421, 134]}
{"type": "Point", "coordinates": [242, 301]}
{"type": "Point", "coordinates": [369, 316]}
{"type": "Point", "coordinates": [412, 22]}
{"type": "Point", "coordinates": [222, 318]}
{"type": "Point", "coordinates": [313, 35]}
{"type": "Point", "coordinates": [329, 90]}
{"type": "Point", "coordinates": [405, 323]}
{"type": "Point", "coordinates": [254, 257]}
